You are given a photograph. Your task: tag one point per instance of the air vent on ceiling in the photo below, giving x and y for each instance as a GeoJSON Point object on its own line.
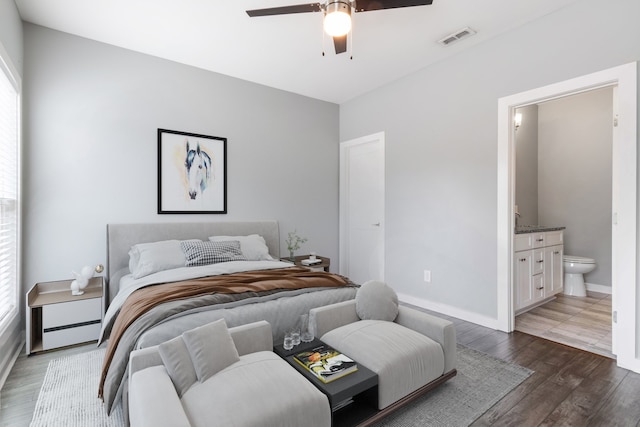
{"type": "Point", "coordinates": [458, 35]}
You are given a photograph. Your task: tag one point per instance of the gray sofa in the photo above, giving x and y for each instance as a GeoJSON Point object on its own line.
{"type": "Point", "coordinates": [214, 376]}
{"type": "Point", "coordinates": [411, 351]}
{"type": "Point", "coordinates": [257, 389]}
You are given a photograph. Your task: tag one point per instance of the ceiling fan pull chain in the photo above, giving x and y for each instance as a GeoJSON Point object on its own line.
{"type": "Point", "coordinates": [322, 30]}
{"type": "Point", "coordinates": [351, 41]}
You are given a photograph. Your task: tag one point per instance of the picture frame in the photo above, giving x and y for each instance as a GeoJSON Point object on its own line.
{"type": "Point", "coordinates": [192, 173]}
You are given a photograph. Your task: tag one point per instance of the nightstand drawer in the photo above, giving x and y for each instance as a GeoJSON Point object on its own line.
{"type": "Point", "coordinates": [70, 313]}
{"type": "Point", "coordinates": [69, 336]}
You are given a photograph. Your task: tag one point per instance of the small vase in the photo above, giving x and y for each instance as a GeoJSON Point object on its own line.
{"type": "Point", "coordinates": [305, 335]}
{"type": "Point", "coordinates": [292, 257]}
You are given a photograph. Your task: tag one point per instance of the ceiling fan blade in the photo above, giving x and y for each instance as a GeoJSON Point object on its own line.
{"type": "Point", "coordinates": [340, 44]}
{"type": "Point", "coordinates": [284, 10]}
{"type": "Point", "coordinates": [367, 5]}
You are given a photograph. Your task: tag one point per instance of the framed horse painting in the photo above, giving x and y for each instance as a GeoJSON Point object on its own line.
{"type": "Point", "coordinates": [192, 173]}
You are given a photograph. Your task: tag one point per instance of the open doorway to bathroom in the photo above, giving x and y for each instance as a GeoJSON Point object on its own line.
{"type": "Point", "coordinates": [563, 178]}
{"type": "Point", "coordinates": [624, 235]}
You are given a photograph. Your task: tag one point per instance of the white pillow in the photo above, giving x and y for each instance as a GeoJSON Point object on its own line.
{"type": "Point", "coordinates": [149, 258]}
{"type": "Point", "coordinates": [253, 247]}
{"type": "Point", "coordinates": [376, 301]}
{"type": "Point", "coordinates": [211, 349]}
{"type": "Point", "coordinates": [177, 360]}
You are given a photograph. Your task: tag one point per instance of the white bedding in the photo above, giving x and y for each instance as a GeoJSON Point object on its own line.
{"type": "Point", "coordinates": [128, 284]}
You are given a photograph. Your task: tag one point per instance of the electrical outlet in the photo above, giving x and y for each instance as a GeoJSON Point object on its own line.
{"type": "Point", "coordinates": [427, 276]}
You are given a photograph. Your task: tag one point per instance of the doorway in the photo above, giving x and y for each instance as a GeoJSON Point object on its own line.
{"type": "Point", "coordinates": [563, 172]}
{"type": "Point", "coordinates": [362, 208]}
{"type": "Point", "coordinates": [624, 195]}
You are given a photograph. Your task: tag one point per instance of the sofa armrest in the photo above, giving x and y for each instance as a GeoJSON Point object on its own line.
{"type": "Point", "coordinates": [440, 330]}
{"type": "Point", "coordinates": [153, 400]}
{"type": "Point", "coordinates": [144, 358]}
{"type": "Point", "coordinates": [329, 317]}
{"type": "Point", "coordinates": [252, 337]}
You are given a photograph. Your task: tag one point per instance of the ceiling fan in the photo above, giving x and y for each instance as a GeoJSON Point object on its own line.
{"type": "Point", "coordinates": [337, 14]}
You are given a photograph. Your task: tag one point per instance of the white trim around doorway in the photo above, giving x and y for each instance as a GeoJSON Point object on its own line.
{"type": "Point", "coordinates": [624, 232]}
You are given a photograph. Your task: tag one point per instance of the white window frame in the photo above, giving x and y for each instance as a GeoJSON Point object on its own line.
{"type": "Point", "coordinates": [8, 70]}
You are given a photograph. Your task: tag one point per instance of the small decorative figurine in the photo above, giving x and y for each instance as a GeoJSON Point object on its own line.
{"type": "Point", "coordinates": [82, 280]}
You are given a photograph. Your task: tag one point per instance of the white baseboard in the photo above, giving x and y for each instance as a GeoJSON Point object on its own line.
{"type": "Point", "coordinates": [598, 288]}
{"type": "Point", "coordinates": [14, 347]}
{"type": "Point", "coordinates": [449, 310]}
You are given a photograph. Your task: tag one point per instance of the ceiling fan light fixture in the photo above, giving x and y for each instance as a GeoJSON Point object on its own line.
{"type": "Point", "coordinates": [337, 18]}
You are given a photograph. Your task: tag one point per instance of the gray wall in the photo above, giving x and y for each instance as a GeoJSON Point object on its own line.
{"type": "Point", "coordinates": [11, 32]}
{"type": "Point", "coordinates": [11, 41]}
{"type": "Point", "coordinates": [575, 142]}
{"type": "Point", "coordinates": [526, 144]}
{"type": "Point", "coordinates": [91, 116]}
{"type": "Point", "coordinates": [440, 127]}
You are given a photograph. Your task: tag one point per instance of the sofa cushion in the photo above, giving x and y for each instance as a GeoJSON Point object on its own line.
{"type": "Point", "coordinates": [153, 401]}
{"type": "Point", "coordinates": [376, 301]}
{"type": "Point", "coordinates": [177, 361]}
{"type": "Point", "coordinates": [211, 348]}
{"type": "Point", "coordinates": [404, 359]}
{"type": "Point", "coordinates": [259, 390]}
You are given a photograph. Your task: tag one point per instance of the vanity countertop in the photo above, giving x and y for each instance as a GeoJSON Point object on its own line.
{"type": "Point", "coordinates": [522, 229]}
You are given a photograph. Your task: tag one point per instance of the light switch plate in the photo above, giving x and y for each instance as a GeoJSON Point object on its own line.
{"type": "Point", "coordinates": [427, 276]}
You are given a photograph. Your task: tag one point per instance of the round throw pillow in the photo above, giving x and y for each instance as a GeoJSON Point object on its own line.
{"type": "Point", "coordinates": [376, 301]}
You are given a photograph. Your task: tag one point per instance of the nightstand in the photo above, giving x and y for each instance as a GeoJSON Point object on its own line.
{"type": "Point", "coordinates": [323, 266]}
{"type": "Point", "coordinates": [55, 318]}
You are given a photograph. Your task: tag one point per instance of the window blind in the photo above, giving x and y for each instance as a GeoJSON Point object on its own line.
{"type": "Point", "coordinates": [9, 172]}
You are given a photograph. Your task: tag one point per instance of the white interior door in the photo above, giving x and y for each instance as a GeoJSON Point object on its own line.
{"type": "Point", "coordinates": [362, 208]}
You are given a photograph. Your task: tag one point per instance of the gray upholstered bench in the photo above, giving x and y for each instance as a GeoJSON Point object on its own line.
{"type": "Point", "coordinates": [411, 351]}
{"type": "Point", "coordinates": [205, 378]}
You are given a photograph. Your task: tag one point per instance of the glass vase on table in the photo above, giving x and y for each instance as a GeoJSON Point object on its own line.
{"type": "Point", "coordinates": [305, 333]}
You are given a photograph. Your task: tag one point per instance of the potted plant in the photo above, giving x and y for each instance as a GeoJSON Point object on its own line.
{"type": "Point", "coordinates": [293, 243]}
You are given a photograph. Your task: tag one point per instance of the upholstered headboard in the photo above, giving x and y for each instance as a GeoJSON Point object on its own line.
{"type": "Point", "coordinates": [120, 238]}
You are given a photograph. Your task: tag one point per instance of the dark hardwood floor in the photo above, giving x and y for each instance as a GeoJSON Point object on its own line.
{"type": "Point", "coordinates": [569, 387]}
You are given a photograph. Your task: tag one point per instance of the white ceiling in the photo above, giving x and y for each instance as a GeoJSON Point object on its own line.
{"type": "Point", "coordinates": [285, 51]}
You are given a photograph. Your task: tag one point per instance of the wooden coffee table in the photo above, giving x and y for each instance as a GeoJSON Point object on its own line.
{"type": "Point", "coordinates": [353, 398]}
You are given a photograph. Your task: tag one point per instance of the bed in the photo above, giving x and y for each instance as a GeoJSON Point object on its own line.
{"type": "Point", "coordinates": [150, 305]}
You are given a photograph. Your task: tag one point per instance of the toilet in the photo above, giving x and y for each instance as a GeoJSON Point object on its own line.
{"type": "Point", "coordinates": [574, 269]}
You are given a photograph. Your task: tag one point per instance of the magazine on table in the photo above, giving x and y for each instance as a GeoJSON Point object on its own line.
{"type": "Point", "coordinates": [326, 363]}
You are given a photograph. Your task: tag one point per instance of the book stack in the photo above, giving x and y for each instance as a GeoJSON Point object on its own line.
{"type": "Point", "coordinates": [326, 363]}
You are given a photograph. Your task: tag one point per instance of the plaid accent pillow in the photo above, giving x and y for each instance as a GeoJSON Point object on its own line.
{"type": "Point", "coordinates": [205, 253]}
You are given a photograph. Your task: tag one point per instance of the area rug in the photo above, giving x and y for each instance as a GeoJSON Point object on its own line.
{"type": "Point", "coordinates": [69, 393]}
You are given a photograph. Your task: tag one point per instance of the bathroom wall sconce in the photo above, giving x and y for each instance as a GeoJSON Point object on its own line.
{"type": "Point", "coordinates": [517, 120]}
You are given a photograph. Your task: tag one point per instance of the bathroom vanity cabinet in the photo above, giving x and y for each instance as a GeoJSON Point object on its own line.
{"type": "Point", "coordinates": [538, 268]}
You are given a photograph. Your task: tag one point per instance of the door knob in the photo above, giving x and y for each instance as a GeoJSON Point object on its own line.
{"type": "Point", "coordinates": [377, 224]}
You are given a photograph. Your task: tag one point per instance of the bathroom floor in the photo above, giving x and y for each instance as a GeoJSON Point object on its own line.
{"type": "Point", "coordinates": [580, 322]}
